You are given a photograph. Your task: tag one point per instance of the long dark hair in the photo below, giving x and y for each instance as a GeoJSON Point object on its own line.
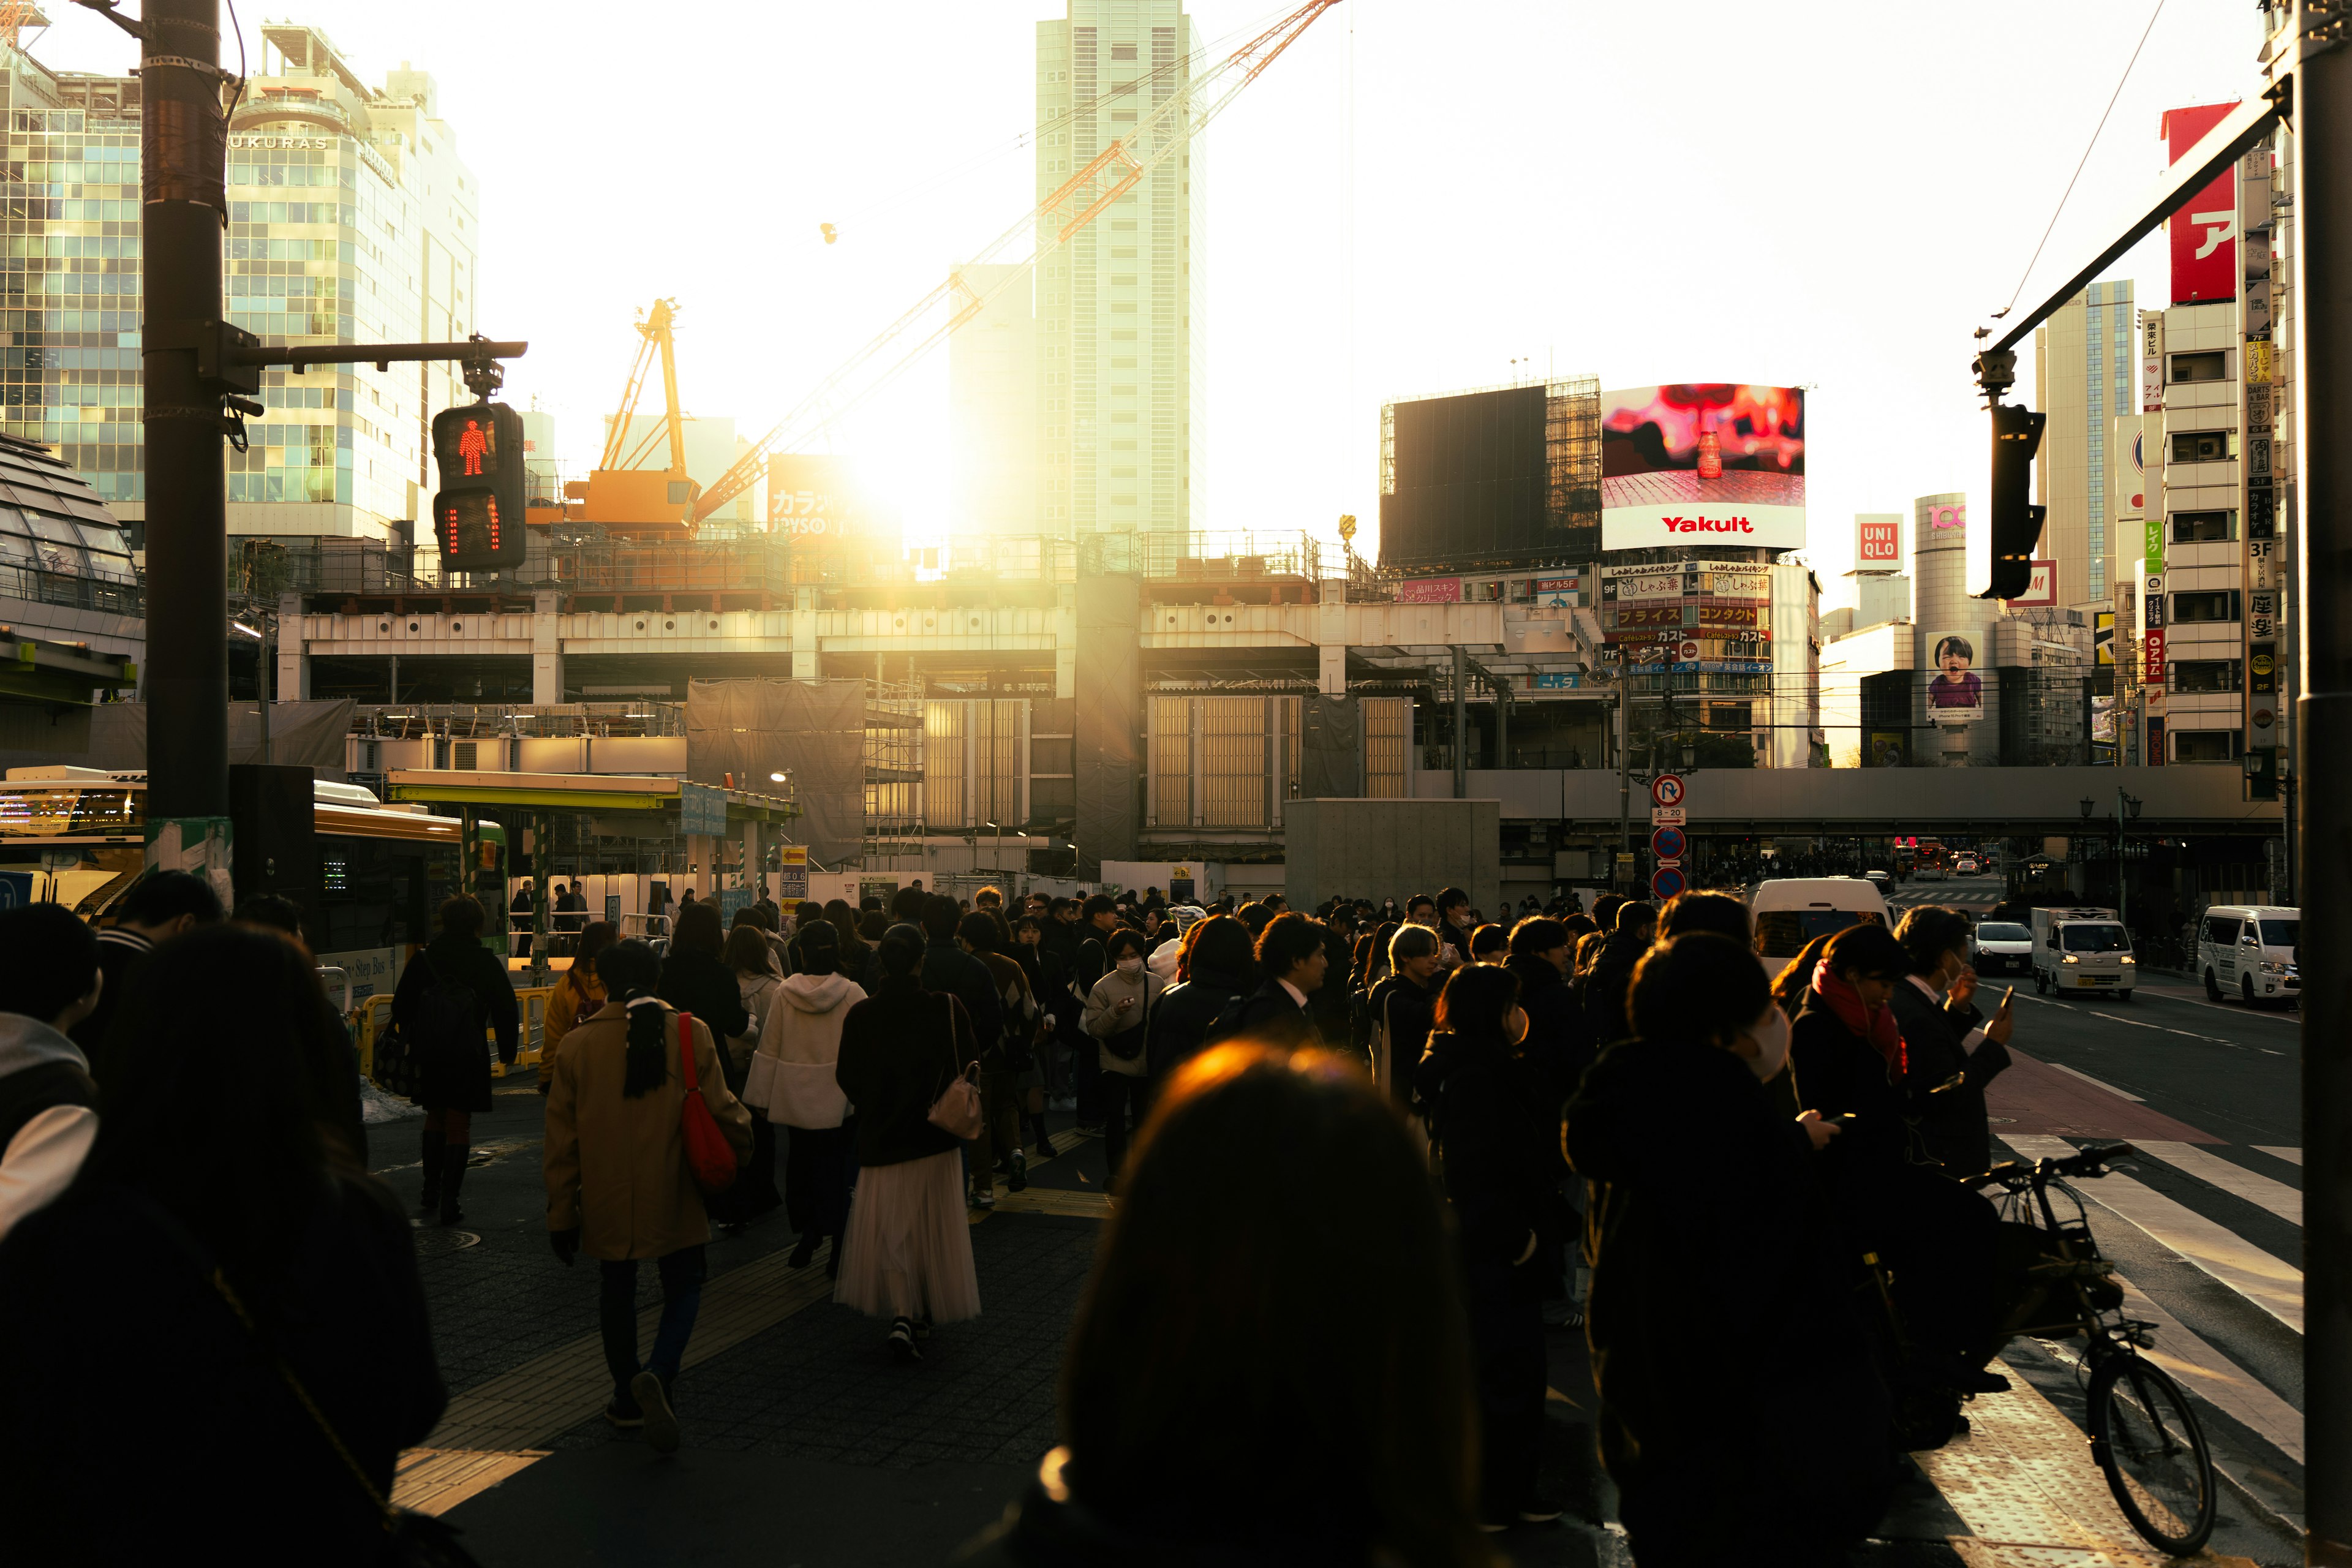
{"type": "Point", "coordinates": [1244, 1424]}
{"type": "Point", "coordinates": [630, 969]}
{"type": "Point", "coordinates": [697, 929]}
{"type": "Point", "coordinates": [901, 952]}
{"type": "Point", "coordinates": [1477, 1001]}
{"type": "Point", "coordinates": [218, 1094]}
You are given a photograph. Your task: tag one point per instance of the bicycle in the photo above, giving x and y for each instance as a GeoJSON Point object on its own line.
{"type": "Point", "coordinates": [2144, 1435]}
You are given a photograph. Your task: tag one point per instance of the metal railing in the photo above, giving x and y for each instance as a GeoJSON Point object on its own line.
{"type": "Point", "coordinates": [488, 721]}
{"type": "Point", "coordinates": [103, 591]}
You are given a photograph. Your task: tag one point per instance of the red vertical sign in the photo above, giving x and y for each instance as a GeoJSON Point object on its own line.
{"type": "Point", "coordinates": [2205, 231]}
{"type": "Point", "coordinates": [1879, 542]}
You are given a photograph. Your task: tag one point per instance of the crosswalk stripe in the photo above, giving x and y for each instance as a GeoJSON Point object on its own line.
{"type": "Point", "coordinates": [2219, 1380]}
{"type": "Point", "coordinates": [2274, 1286]}
{"type": "Point", "coordinates": [2276, 1197]}
{"type": "Point", "coordinates": [2291, 1157]}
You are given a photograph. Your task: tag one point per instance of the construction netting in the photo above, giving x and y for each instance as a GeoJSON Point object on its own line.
{"type": "Point", "coordinates": [301, 734]}
{"type": "Point", "coordinates": [814, 729]}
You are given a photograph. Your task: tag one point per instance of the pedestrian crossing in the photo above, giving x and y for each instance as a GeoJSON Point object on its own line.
{"type": "Point", "coordinates": [2192, 1223]}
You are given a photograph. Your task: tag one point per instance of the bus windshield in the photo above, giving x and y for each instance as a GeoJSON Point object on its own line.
{"type": "Point", "coordinates": [72, 811]}
{"type": "Point", "coordinates": [2093, 938]}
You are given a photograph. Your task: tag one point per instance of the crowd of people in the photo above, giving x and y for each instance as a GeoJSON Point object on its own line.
{"type": "Point", "coordinates": [1366, 1159]}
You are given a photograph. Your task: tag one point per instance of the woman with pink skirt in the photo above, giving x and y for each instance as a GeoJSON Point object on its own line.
{"type": "Point", "coordinates": [907, 1254]}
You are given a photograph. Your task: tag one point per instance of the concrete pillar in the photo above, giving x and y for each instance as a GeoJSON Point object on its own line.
{"type": "Point", "coordinates": [290, 681]}
{"type": "Point", "coordinates": [546, 649]}
{"type": "Point", "coordinates": [805, 664]}
{"type": "Point", "coordinates": [1331, 639]}
{"type": "Point", "coordinates": [1065, 640]}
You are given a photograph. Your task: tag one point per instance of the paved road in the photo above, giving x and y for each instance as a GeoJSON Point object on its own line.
{"type": "Point", "coordinates": [805, 1444]}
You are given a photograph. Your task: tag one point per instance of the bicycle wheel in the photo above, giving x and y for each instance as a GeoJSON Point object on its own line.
{"type": "Point", "coordinates": [2147, 1440]}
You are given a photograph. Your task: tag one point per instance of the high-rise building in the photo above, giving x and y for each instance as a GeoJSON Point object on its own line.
{"type": "Point", "coordinates": [351, 219]}
{"type": "Point", "coordinates": [993, 406]}
{"type": "Point", "coordinates": [2085, 364]}
{"type": "Point", "coordinates": [1120, 323]}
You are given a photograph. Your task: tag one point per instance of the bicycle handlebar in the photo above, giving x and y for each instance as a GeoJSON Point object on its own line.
{"type": "Point", "coordinates": [2086, 1163]}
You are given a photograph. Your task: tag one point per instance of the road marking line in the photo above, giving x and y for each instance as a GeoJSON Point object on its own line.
{"type": "Point", "coordinates": [2291, 1157]}
{"type": "Point", "coordinates": [2274, 1285]}
{"type": "Point", "coordinates": [2095, 1083]}
{"type": "Point", "coordinates": [2207, 1371]}
{"type": "Point", "coordinates": [2276, 1197]}
{"type": "Point", "coordinates": [2135, 1023]}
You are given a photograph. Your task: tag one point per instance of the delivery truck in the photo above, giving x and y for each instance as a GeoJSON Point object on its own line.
{"type": "Point", "coordinates": [2080, 949]}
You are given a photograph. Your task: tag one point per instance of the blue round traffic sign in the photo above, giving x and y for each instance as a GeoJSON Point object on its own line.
{"type": "Point", "coordinates": [1666, 881]}
{"type": "Point", "coordinates": [1668, 843]}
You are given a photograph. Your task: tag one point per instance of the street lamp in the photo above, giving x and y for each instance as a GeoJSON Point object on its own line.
{"type": "Point", "coordinates": [776, 778]}
{"type": "Point", "coordinates": [262, 659]}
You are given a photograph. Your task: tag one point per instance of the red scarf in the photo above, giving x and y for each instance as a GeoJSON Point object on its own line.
{"type": "Point", "coordinates": [1876, 1024]}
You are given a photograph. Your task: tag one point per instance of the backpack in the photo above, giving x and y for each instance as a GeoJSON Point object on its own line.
{"type": "Point", "coordinates": [449, 1015]}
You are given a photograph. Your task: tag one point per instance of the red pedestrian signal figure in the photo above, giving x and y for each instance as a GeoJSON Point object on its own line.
{"type": "Point", "coordinates": [472, 446]}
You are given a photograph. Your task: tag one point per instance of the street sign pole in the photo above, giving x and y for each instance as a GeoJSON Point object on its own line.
{"type": "Point", "coordinates": [2322, 296]}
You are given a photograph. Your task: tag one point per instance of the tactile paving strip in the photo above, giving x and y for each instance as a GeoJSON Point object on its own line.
{"type": "Point", "coordinates": [2024, 1482]}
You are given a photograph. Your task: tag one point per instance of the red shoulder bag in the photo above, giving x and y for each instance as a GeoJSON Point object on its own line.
{"type": "Point", "coordinates": [708, 1153]}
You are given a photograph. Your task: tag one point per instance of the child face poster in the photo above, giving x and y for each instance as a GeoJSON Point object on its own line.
{"type": "Point", "coordinates": [1954, 691]}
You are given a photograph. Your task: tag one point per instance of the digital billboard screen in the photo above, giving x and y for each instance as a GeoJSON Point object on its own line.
{"type": "Point", "coordinates": [1703, 463]}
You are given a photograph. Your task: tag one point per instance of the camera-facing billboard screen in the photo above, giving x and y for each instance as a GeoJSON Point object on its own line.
{"type": "Point", "coordinates": [1703, 463]}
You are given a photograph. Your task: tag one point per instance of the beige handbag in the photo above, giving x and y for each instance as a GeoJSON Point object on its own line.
{"type": "Point", "coordinates": [956, 1110]}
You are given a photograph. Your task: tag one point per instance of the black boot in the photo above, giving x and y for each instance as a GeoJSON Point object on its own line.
{"type": "Point", "coordinates": [453, 1176]}
{"type": "Point", "coordinates": [431, 1199]}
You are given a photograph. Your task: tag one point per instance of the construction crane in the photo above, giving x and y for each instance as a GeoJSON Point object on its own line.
{"type": "Point", "coordinates": [1045, 229]}
{"type": "Point", "coordinates": [619, 493]}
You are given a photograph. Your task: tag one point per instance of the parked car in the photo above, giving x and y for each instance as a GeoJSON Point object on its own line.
{"type": "Point", "coordinates": [2251, 949]}
{"type": "Point", "coordinates": [2001, 947]}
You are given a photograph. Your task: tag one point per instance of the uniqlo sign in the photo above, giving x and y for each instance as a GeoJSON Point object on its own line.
{"type": "Point", "coordinates": [2205, 232]}
{"type": "Point", "coordinates": [1877, 540]}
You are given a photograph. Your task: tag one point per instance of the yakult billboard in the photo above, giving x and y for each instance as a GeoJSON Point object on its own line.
{"type": "Point", "coordinates": [1703, 463]}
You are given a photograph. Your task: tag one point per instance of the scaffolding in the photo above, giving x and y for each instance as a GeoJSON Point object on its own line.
{"type": "Point", "coordinates": [1573, 454]}
{"type": "Point", "coordinates": [894, 776]}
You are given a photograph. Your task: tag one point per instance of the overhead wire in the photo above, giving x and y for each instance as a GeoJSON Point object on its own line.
{"type": "Point", "coordinates": [2112, 99]}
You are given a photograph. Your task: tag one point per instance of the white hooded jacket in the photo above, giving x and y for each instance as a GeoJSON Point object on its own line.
{"type": "Point", "coordinates": [799, 1043]}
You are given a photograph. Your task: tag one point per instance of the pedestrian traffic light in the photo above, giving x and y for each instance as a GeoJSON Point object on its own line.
{"type": "Point", "coordinates": [478, 513]}
{"type": "Point", "coordinates": [2016, 523]}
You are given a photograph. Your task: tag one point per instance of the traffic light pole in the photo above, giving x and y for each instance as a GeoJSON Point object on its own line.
{"type": "Point", "coordinates": [2322, 298]}
{"type": "Point", "coordinates": [184, 144]}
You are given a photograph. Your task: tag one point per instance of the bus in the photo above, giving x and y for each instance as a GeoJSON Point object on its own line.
{"type": "Point", "coordinates": [77, 836]}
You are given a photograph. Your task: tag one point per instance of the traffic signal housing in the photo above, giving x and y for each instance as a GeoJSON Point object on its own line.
{"type": "Point", "coordinates": [478, 513]}
{"type": "Point", "coordinates": [2016, 521]}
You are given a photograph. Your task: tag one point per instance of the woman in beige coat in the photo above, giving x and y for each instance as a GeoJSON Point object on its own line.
{"type": "Point", "coordinates": [618, 1187]}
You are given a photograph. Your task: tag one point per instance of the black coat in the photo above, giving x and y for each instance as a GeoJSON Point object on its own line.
{"type": "Point", "coordinates": [1497, 1124]}
{"type": "Point", "coordinates": [455, 1075]}
{"type": "Point", "coordinates": [119, 952]}
{"type": "Point", "coordinates": [1181, 1019]}
{"type": "Point", "coordinates": [1606, 988]}
{"type": "Point", "coordinates": [1952, 1122]}
{"type": "Point", "coordinates": [1720, 1309]}
{"type": "Point", "coordinates": [949, 968]}
{"type": "Point", "coordinates": [1558, 1043]}
{"type": "Point", "coordinates": [699, 983]}
{"type": "Point", "coordinates": [899, 1049]}
{"type": "Point", "coordinates": [1267, 1017]}
{"type": "Point", "coordinates": [96, 1269]}
{"type": "Point", "coordinates": [1407, 1012]}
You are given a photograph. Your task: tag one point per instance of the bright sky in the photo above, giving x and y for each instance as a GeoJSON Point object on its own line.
{"type": "Point", "coordinates": [1822, 194]}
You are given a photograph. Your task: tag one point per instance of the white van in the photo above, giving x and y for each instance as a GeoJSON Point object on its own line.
{"type": "Point", "coordinates": [2249, 950]}
{"type": "Point", "coordinates": [1793, 910]}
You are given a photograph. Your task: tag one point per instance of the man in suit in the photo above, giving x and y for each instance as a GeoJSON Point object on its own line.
{"type": "Point", "coordinates": [1292, 957]}
{"type": "Point", "coordinates": [1946, 1037]}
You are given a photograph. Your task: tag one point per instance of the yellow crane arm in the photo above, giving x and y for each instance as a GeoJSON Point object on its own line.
{"type": "Point", "coordinates": [1188, 107]}
{"type": "Point", "coordinates": [653, 337]}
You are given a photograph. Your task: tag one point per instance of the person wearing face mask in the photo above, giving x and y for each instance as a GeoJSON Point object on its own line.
{"type": "Point", "coordinates": [1935, 1237]}
{"type": "Point", "coordinates": [1721, 1310]}
{"type": "Point", "coordinates": [1493, 1119]}
{"type": "Point", "coordinates": [1118, 1017]}
{"type": "Point", "coordinates": [1955, 1050]}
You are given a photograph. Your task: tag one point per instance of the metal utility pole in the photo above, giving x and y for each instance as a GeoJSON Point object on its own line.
{"type": "Point", "coordinates": [183, 143]}
{"type": "Point", "coordinates": [2322, 119]}
{"type": "Point", "coordinates": [1624, 765]}
{"type": "Point", "coordinates": [1461, 725]}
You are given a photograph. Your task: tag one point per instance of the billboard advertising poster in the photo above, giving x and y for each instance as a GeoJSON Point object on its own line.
{"type": "Point", "coordinates": [1736, 582]}
{"type": "Point", "coordinates": [1623, 583]}
{"type": "Point", "coordinates": [1955, 694]}
{"type": "Point", "coordinates": [1430, 591]}
{"type": "Point", "coordinates": [2204, 232]}
{"type": "Point", "coordinates": [1878, 541]}
{"type": "Point", "coordinates": [2041, 588]}
{"type": "Point", "coordinates": [1532, 631]}
{"type": "Point", "coordinates": [1703, 463]}
{"type": "Point", "coordinates": [1886, 749]}
{"type": "Point", "coordinates": [819, 498]}
{"type": "Point", "coordinates": [1558, 680]}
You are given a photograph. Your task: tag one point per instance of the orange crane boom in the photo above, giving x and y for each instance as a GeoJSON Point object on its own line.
{"type": "Point", "coordinates": [1182, 115]}
{"type": "Point", "coordinates": [618, 493]}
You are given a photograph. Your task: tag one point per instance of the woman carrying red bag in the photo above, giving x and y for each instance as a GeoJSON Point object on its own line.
{"type": "Point", "coordinates": [621, 1184]}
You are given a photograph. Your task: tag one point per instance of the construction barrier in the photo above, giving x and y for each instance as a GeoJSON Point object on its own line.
{"type": "Point", "coordinates": [373, 1014]}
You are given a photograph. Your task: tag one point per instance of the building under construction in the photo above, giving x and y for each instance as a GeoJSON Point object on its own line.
{"type": "Point", "coordinates": [1507, 476]}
